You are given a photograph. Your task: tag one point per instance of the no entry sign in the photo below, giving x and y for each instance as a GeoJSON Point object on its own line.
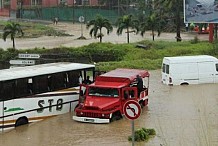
{"type": "Point", "coordinates": [132, 109]}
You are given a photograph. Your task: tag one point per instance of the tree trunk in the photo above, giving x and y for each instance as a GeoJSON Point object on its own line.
{"type": "Point", "coordinates": [13, 43]}
{"type": "Point", "coordinates": [100, 36]}
{"type": "Point", "coordinates": [153, 34]}
{"type": "Point", "coordinates": [178, 36]}
{"type": "Point", "coordinates": [127, 35]}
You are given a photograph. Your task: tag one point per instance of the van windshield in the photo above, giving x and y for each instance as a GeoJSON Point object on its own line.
{"type": "Point", "coordinates": [107, 92]}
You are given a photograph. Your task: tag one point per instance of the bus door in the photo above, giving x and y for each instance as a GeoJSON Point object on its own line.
{"type": "Point", "coordinates": [6, 101]}
{"type": "Point", "coordinates": [1, 107]}
{"type": "Point", "coordinates": [127, 93]}
{"type": "Point", "coordinates": [1, 114]}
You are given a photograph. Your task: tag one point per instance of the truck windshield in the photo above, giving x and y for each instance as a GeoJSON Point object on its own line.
{"type": "Point", "coordinates": [108, 92]}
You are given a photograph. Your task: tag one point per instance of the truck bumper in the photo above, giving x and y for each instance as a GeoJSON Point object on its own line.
{"type": "Point", "coordinates": [90, 120]}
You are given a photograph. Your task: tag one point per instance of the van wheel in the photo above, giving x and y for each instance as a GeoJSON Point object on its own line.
{"type": "Point", "coordinates": [184, 84]}
{"type": "Point", "coordinates": [21, 121]}
{"type": "Point", "coordinates": [116, 116]}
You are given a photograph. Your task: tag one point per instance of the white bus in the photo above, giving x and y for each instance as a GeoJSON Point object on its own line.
{"type": "Point", "coordinates": [33, 93]}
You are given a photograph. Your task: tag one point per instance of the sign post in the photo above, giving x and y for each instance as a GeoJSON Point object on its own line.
{"type": "Point", "coordinates": [81, 20]}
{"type": "Point", "coordinates": [132, 111]}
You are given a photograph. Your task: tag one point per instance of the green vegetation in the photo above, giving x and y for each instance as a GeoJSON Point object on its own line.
{"type": "Point", "coordinates": [108, 56]}
{"type": "Point", "coordinates": [12, 29]}
{"type": "Point", "coordinates": [143, 134]}
{"type": "Point", "coordinates": [97, 24]}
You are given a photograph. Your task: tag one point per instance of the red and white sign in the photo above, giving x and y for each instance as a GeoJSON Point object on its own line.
{"type": "Point", "coordinates": [132, 109]}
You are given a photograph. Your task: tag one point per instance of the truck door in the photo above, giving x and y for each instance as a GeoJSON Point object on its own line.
{"type": "Point", "coordinates": [127, 93]}
{"type": "Point", "coordinates": [206, 72]}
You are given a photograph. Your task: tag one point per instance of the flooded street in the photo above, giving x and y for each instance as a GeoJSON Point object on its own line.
{"type": "Point", "coordinates": [75, 30]}
{"type": "Point", "coordinates": [181, 116]}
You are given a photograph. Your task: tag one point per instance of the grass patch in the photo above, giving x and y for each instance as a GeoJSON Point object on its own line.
{"type": "Point", "coordinates": [108, 56]}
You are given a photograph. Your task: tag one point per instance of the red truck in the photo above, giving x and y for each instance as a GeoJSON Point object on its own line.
{"type": "Point", "coordinates": [103, 100]}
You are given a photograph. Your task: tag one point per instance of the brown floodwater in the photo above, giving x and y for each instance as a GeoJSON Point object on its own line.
{"type": "Point", "coordinates": [181, 116]}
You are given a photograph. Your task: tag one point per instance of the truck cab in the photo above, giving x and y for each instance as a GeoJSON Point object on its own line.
{"type": "Point", "coordinates": [103, 100]}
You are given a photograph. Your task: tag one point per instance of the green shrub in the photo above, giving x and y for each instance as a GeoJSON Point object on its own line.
{"type": "Point", "coordinates": [143, 134]}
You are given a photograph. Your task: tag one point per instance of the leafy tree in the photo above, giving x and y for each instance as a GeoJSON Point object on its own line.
{"type": "Point", "coordinates": [98, 23]}
{"type": "Point", "coordinates": [127, 22]}
{"type": "Point", "coordinates": [12, 29]}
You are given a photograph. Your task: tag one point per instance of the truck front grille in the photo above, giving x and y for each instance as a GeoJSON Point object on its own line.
{"type": "Point", "coordinates": [94, 115]}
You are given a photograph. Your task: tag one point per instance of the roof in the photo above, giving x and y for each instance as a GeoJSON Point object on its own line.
{"type": "Point", "coordinates": [197, 58]}
{"type": "Point", "coordinates": [41, 69]}
{"type": "Point", "coordinates": [109, 84]}
{"type": "Point", "coordinates": [125, 76]}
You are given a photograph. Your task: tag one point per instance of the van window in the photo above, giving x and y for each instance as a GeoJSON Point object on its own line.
{"type": "Point", "coordinates": [167, 69]}
{"type": "Point", "coordinates": [217, 67]}
{"type": "Point", "coordinates": [163, 68]}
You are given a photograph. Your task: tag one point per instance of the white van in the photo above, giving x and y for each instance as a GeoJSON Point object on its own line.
{"type": "Point", "coordinates": [189, 70]}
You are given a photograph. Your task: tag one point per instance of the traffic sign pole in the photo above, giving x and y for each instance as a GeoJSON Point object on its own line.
{"type": "Point", "coordinates": [133, 133]}
{"type": "Point", "coordinates": [132, 110]}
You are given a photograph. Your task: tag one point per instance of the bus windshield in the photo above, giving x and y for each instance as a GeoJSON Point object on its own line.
{"type": "Point", "coordinates": [106, 92]}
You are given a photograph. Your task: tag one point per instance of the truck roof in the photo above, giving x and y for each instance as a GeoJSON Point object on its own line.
{"type": "Point", "coordinates": [119, 77]}
{"type": "Point", "coordinates": [197, 58]}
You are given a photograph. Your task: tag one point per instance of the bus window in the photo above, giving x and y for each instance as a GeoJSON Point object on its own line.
{"type": "Point", "coordinates": [57, 80]}
{"type": "Point", "coordinates": [40, 84]}
{"type": "Point", "coordinates": [21, 87]}
{"type": "Point", "coordinates": [73, 78]}
{"type": "Point", "coordinates": [8, 90]}
{"type": "Point", "coordinates": [1, 92]}
{"type": "Point", "coordinates": [30, 85]}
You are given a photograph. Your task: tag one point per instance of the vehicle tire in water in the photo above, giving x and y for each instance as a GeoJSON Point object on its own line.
{"type": "Point", "coordinates": [116, 116]}
{"type": "Point", "coordinates": [21, 121]}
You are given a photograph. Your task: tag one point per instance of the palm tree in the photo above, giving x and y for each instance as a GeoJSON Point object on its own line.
{"type": "Point", "coordinates": [12, 29]}
{"type": "Point", "coordinates": [127, 22]}
{"type": "Point", "coordinates": [175, 7]}
{"type": "Point", "coordinates": [149, 24]}
{"type": "Point", "coordinates": [98, 23]}
{"type": "Point", "coordinates": [155, 21]}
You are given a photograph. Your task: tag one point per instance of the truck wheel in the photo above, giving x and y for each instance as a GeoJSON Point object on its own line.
{"type": "Point", "coordinates": [116, 116]}
{"type": "Point", "coordinates": [184, 84]}
{"type": "Point", "coordinates": [21, 121]}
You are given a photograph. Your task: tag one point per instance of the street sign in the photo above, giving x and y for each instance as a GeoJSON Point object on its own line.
{"type": "Point", "coordinates": [81, 19]}
{"type": "Point", "coordinates": [132, 109]}
{"type": "Point", "coordinates": [32, 56]}
{"type": "Point", "coordinates": [22, 62]}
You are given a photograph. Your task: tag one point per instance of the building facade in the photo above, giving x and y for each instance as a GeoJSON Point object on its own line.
{"type": "Point", "coordinates": [12, 5]}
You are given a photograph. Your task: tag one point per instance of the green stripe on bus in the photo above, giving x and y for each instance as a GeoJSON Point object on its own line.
{"type": "Point", "coordinates": [14, 109]}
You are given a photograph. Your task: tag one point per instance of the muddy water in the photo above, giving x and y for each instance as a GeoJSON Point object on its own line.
{"type": "Point", "coordinates": [181, 116]}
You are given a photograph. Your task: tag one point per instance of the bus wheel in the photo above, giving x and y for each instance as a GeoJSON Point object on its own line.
{"type": "Point", "coordinates": [21, 121]}
{"type": "Point", "coordinates": [116, 116]}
